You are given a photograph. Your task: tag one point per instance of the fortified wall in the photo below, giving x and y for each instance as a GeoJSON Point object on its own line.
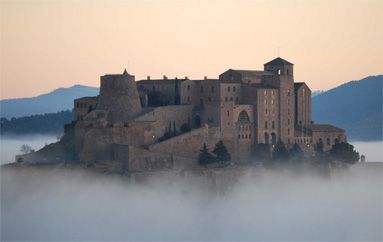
{"type": "Point", "coordinates": [163, 124]}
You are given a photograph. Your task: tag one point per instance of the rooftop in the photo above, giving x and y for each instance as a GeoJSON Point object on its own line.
{"type": "Point", "coordinates": [278, 62]}
{"type": "Point", "coordinates": [252, 73]}
{"type": "Point", "coordinates": [325, 128]}
{"type": "Point", "coordinates": [298, 85]}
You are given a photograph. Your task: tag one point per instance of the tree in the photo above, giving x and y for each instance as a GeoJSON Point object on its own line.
{"type": "Point", "coordinates": [344, 153]}
{"type": "Point", "coordinates": [296, 153]}
{"type": "Point", "coordinates": [185, 128]}
{"type": "Point", "coordinates": [319, 147]}
{"type": "Point", "coordinates": [25, 149]}
{"type": "Point", "coordinates": [262, 152]}
{"type": "Point", "coordinates": [205, 157]}
{"type": "Point", "coordinates": [280, 152]}
{"type": "Point", "coordinates": [221, 152]}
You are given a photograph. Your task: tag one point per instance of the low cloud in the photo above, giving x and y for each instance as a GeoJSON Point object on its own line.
{"type": "Point", "coordinates": [75, 205]}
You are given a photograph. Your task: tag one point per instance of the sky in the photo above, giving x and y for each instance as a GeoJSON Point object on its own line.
{"type": "Point", "coordinates": [51, 44]}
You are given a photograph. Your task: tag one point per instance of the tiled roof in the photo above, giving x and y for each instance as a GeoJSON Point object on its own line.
{"type": "Point", "coordinates": [251, 73]}
{"type": "Point", "coordinates": [160, 81]}
{"type": "Point", "coordinates": [325, 128]}
{"type": "Point", "coordinates": [278, 62]}
{"type": "Point", "coordinates": [298, 85]}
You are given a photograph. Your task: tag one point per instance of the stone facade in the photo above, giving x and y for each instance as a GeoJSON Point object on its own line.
{"type": "Point", "coordinates": [146, 124]}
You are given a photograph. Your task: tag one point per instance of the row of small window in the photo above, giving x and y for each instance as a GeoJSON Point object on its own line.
{"type": "Point", "coordinates": [81, 105]}
{"type": "Point", "coordinates": [265, 92]}
{"type": "Point", "coordinates": [267, 111]}
{"type": "Point", "coordinates": [272, 101]}
{"type": "Point", "coordinates": [209, 99]}
{"type": "Point", "coordinates": [303, 141]}
{"type": "Point", "coordinates": [328, 141]}
{"type": "Point", "coordinates": [232, 99]}
{"type": "Point", "coordinates": [244, 136]}
{"type": "Point", "coordinates": [273, 112]}
{"type": "Point", "coordinates": [272, 125]}
{"type": "Point", "coordinates": [229, 88]}
{"type": "Point", "coordinates": [201, 88]}
{"type": "Point", "coordinates": [244, 128]}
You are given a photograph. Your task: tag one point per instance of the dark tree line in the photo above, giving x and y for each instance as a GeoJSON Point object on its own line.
{"type": "Point", "coordinates": [171, 131]}
{"type": "Point", "coordinates": [342, 154]}
{"type": "Point", "coordinates": [49, 123]}
{"type": "Point", "coordinates": [220, 154]}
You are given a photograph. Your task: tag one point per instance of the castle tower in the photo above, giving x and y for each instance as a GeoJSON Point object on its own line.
{"type": "Point", "coordinates": [119, 97]}
{"type": "Point", "coordinates": [283, 79]}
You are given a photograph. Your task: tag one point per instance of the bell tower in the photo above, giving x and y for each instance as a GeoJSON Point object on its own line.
{"type": "Point", "coordinates": [280, 67]}
{"type": "Point", "coordinates": [283, 79]}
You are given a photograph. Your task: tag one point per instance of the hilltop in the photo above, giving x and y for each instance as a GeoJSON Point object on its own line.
{"type": "Point", "coordinates": [52, 102]}
{"type": "Point", "coordinates": [355, 106]}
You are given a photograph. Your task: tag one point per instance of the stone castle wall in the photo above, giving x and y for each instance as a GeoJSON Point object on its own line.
{"type": "Point", "coordinates": [190, 143]}
{"type": "Point", "coordinates": [119, 97]}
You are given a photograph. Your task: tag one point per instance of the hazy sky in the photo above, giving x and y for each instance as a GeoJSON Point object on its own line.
{"type": "Point", "coordinates": [51, 44]}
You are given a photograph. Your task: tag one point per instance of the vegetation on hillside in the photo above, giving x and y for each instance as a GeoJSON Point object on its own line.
{"type": "Point", "coordinates": [341, 155]}
{"type": "Point", "coordinates": [220, 155]}
{"type": "Point", "coordinates": [50, 123]}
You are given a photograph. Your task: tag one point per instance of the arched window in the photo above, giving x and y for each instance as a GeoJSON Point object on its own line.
{"type": "Point", "coordinates": [273, 138]}
{"type": "Point", "coordinates": [197, 121]}
{"type": "Point", "coordinates": [243, 117]}
{"type": "Point", "coordinates": [267, 138]}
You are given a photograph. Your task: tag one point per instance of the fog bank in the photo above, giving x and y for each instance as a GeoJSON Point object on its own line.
{"type": "Point", "coordinates": [10, 145]}
{"type": "Point", "coordinates": [74, 205]}
{"type": "Point", "coordinates": [373, 150]}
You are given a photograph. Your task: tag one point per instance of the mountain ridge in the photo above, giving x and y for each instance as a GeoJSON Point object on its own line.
{"type": "Point", "coordinates": [57, 100]}
{"type": "Point", "coordinates": [355, 106]}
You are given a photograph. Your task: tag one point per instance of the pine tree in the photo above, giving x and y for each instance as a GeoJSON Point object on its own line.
{"type": "Point", "coordinates": [280, 152]}
{"type": "Point", "coordinates": [296, 153]}
{"type": "Point", "coordinates": [344, 153]}
{"type": "Point", "coordinates": [205, 157]}
{"type": "Point", "coordinates": [221, 152]}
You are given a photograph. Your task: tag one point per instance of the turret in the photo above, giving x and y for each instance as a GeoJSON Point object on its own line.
{"type": "Point", "coordinates": [119, 97]}
{"type": "Point", "coordinates": [280, 67]}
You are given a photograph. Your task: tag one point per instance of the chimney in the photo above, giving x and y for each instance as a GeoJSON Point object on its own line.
{"type": "Point", "coordinates": [186, 78]}
{"type": "Point", "coordinates": [165, 77]}
{"type": "Point", "coordinates": [205, 78]}
{"type": "Point", "coordinates": [148, 77]}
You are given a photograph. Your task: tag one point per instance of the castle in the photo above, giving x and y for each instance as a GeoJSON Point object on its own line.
{"type": "Point", "coordinates": [162, 124]}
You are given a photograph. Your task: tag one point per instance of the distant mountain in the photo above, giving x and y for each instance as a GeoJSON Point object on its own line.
{"type": "Point", "coordinates": [55, 101]}
{"type": "Point", "coordinates": [316, 93]}
{"type": "Point", "coordinates": [49, 123]}
{"type": "Point", "coordinates": [355, 106]}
